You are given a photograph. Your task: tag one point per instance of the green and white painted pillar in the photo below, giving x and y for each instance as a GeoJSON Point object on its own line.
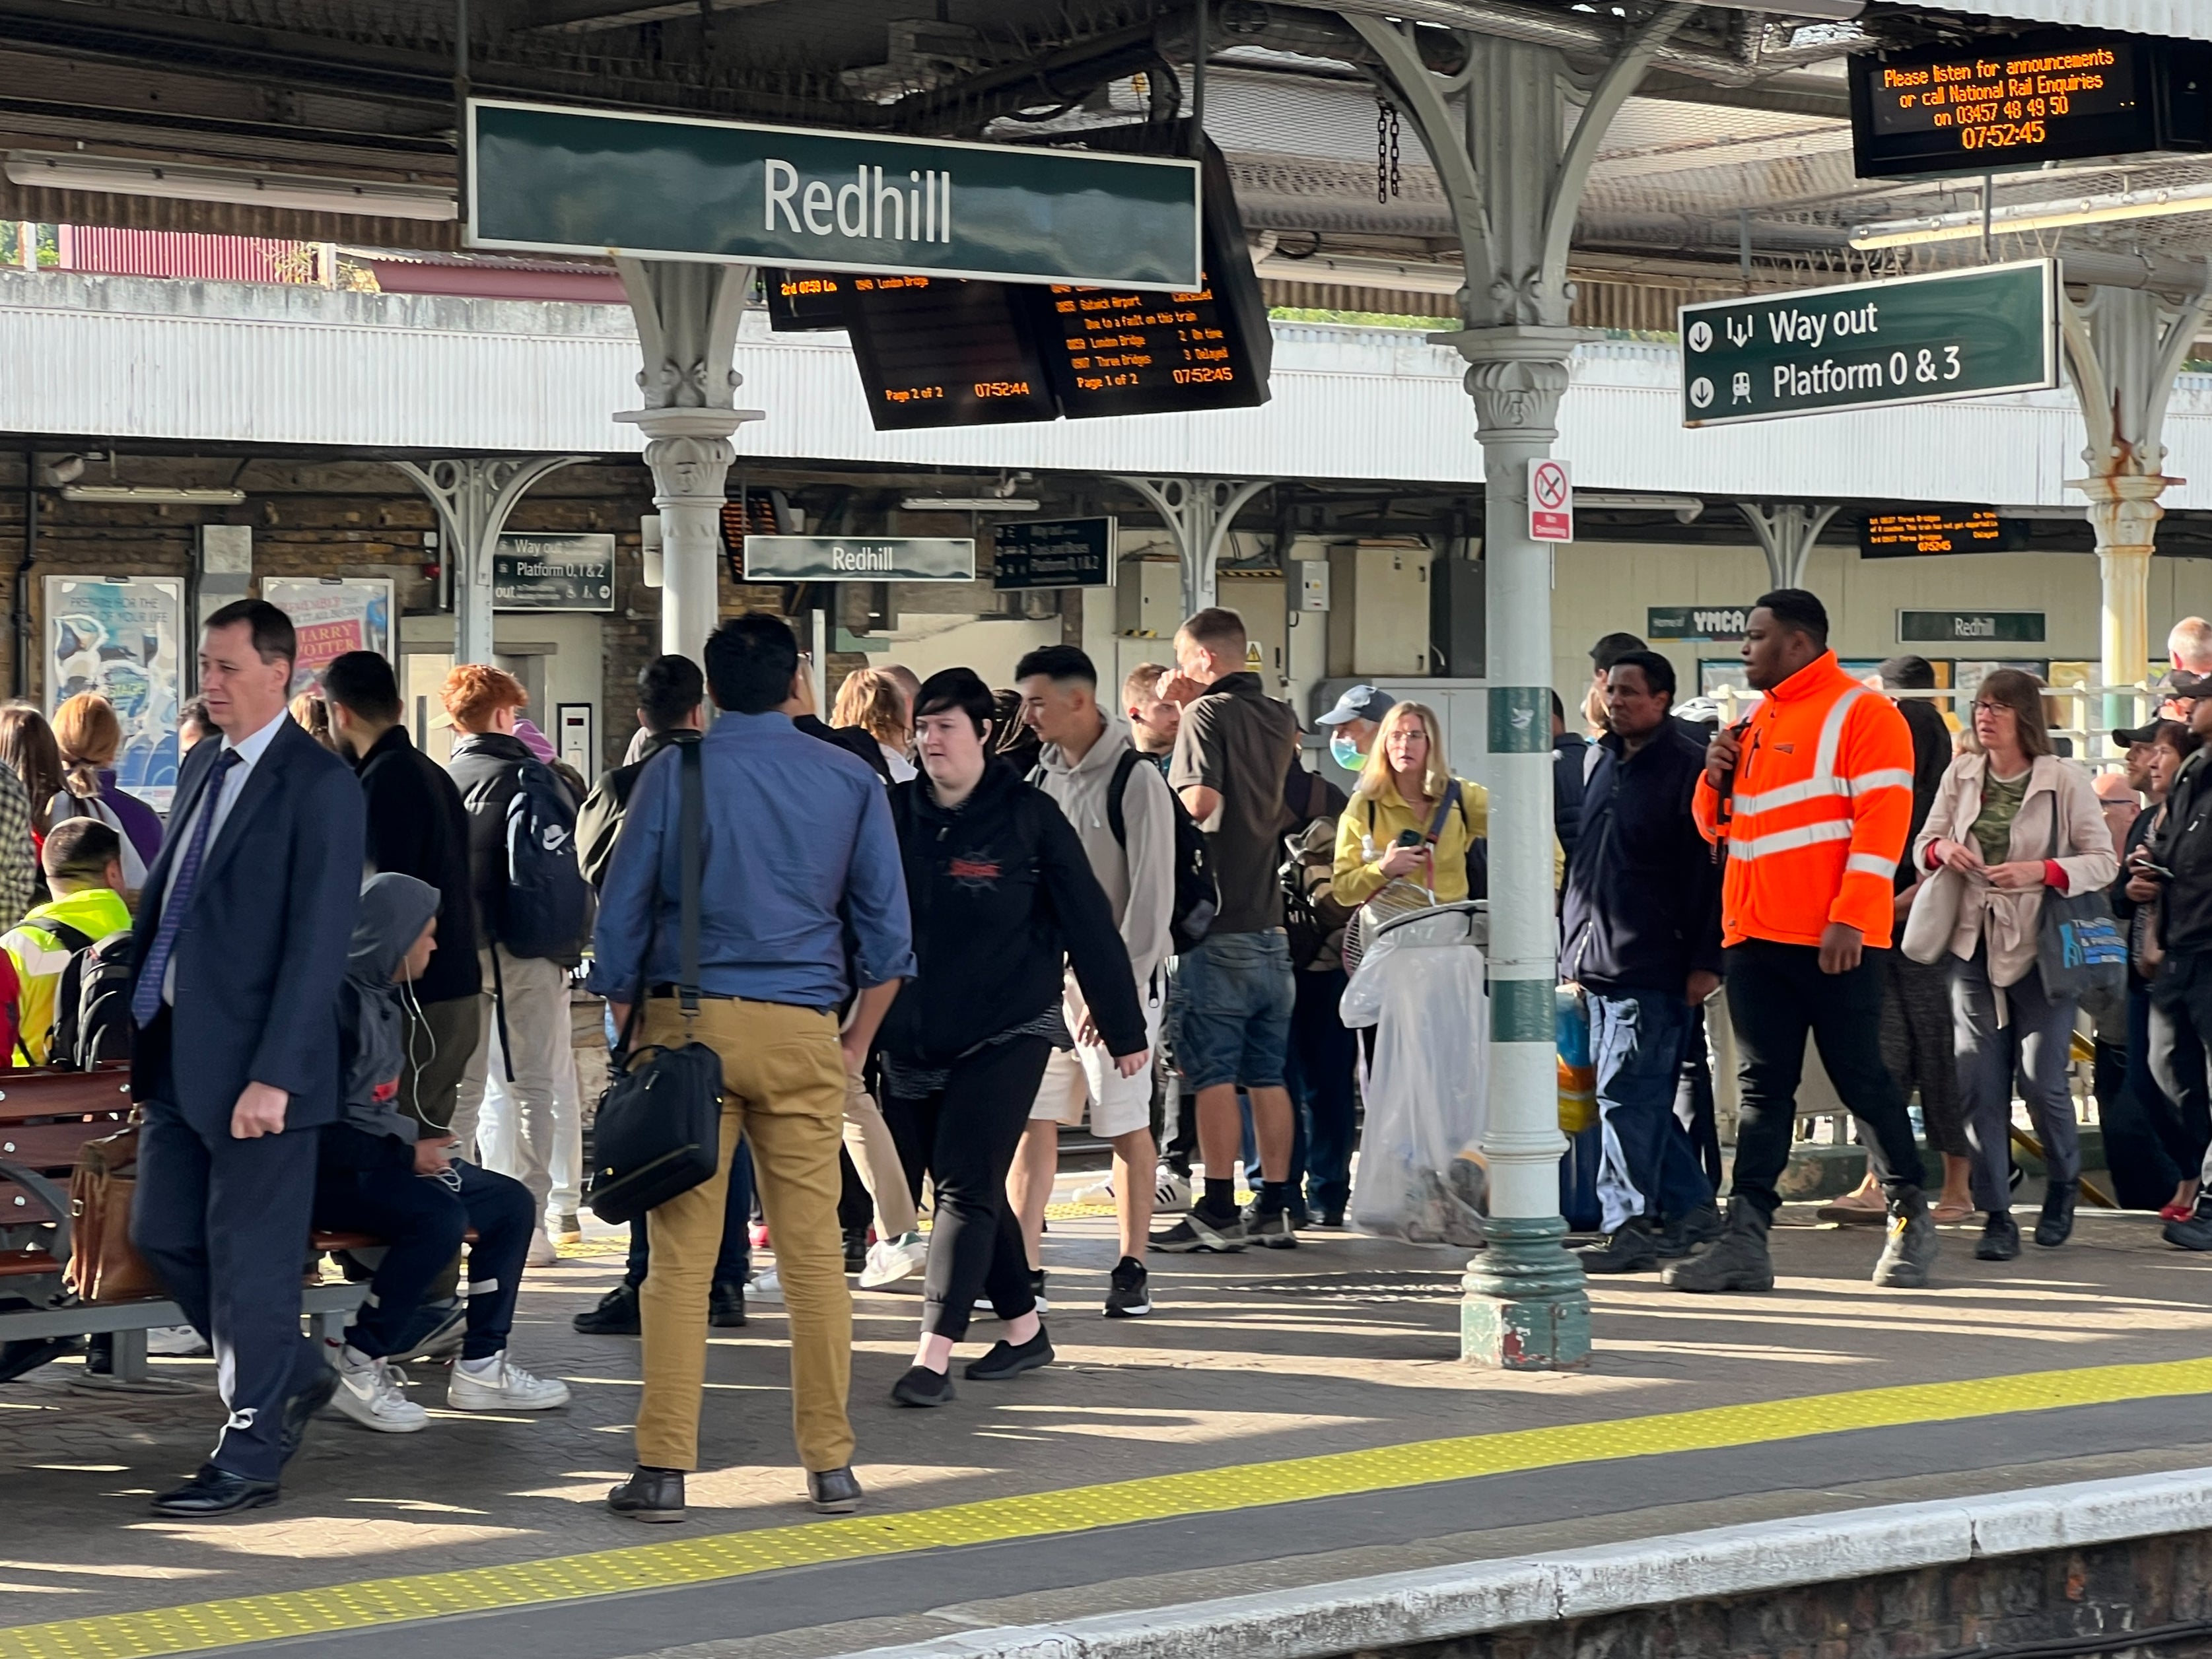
{"type": "Point", "coordinates": [1525, 1306]}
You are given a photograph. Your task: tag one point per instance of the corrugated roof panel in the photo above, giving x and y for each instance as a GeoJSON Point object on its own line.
{"type": "Point", "coordinates": [2188, 20]}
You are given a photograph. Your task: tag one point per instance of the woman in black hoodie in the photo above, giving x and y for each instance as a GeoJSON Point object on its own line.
{"type": "Point", "coordinates": [1003, 895]}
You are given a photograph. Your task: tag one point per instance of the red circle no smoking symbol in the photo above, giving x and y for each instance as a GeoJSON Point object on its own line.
{"type": "Point", "coordinates": [1551, 485]}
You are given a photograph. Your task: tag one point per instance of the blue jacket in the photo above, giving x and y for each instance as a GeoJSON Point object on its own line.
{"type": "Point", "coordinates": [263, 948]}
{"type": "Point", "coordinates": [798, 841]}
{"type": "Point", "coordinates": [1643, 906]}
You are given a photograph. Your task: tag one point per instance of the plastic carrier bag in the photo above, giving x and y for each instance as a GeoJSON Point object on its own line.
{"type": "Point", "coordinates": [1420, 1177]}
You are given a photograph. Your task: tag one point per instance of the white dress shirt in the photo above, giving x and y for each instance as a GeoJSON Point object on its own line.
{"type": "Point", "coordinates": [249, 752]}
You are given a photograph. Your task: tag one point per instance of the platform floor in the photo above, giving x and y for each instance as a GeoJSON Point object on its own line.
{"type": "Point", "coordinates": [1283, 1417]}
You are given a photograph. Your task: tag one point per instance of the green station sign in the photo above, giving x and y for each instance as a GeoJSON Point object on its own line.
{"type": "Point", "coordinates": [1870, 345]}
{"type": "Point", "coordinates": [1970, 627]}
{"type": "Point", "coordinates": [859, 559]}
{"type": "Point", "coordinates": [547, 179]}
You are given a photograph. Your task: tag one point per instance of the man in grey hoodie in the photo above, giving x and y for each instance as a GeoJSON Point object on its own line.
{"type": "Point", "coordinates": [1124, 818]}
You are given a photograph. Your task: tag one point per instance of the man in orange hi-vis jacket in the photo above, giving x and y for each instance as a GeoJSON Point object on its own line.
{"type": "Point", "coordinates": [1810, 801]}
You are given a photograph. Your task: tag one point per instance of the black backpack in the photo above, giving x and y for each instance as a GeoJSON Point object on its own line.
{"type": "Point", "coordinates": [92, 999]}
{"type": "Point", "coordinates": [1197, 900]}
{"type": "Point", "coordinates": [548, 905]}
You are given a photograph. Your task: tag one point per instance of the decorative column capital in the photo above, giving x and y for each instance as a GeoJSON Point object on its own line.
{"type": "Point", "coordinates": [1517, 376]}
{"type": "Point", "coordinates": [688, 449]}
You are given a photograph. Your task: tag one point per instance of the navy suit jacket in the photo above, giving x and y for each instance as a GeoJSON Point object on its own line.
{"type": "Point", "coordinates": [263, 950]}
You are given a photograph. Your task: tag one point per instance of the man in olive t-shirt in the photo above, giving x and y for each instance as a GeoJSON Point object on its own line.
{"type": "Point", "coordinates": [1234, 990]}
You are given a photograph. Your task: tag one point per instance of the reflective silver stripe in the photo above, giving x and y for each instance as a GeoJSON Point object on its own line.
{"type": "Point", "coordinates": [1789, 840]}
{"type": "Point", "coordinates": [1823, 781]}
{"type": "Point", "coordinates": [1894, 777]}
{"type": "Point", "coordinates": [1831, 730]}
{"type": "Point", "coordinates": [1788, 794]}
{"type": "Point", "coordinates": [1868, 863]}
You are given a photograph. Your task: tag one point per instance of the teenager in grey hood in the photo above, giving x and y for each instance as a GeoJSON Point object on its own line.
{"type": "Point", "coordinates": [374, 1176]}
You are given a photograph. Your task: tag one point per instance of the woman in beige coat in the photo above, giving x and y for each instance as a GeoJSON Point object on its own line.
{"type": "Point", "coordinates": [2012, 821]}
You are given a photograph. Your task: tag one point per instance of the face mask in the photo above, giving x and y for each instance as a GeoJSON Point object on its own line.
{"type": "Point", "coordinates": [1346, 753]}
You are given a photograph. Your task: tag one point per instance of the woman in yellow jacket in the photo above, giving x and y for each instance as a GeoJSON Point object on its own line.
{"type": "Point", "coordinates": [1400, 788]}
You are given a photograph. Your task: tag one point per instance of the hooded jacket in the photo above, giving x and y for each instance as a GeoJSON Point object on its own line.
{"type": "Point", "coordinates": [1001, 894]}
{"type": "Point", "coordinates": [374, 1020]}
{"type": "Point", "coordinates": [1138, 879]}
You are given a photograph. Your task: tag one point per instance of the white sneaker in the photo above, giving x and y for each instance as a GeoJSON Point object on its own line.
{"type": "Point", "coordinates": [369, 1394]}
{"type": "Point", "coordinates": [176, 1342]}
{"type": "Point", "coordinates": [1098, 1192]}
{"type": "Point", "coordinates": [542, 1253]}
{"type": "Point", "coordinates": [890, 1261]}
{"type": "Point", "coordinates": [1172, 1195]}
{"type": "Point", "coordinates": [498, 1384]}
{"type": "Point", "coordinates": [765, 1286]}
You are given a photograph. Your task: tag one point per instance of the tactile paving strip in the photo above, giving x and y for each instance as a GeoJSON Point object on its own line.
{"type": "Point", "coordinates": [295, 1613]}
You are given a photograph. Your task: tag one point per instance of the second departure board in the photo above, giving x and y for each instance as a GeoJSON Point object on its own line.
{"type": "Point", "coordinates": [1909, 533]}
{"type": "Point", "coordinates": [804, 301]}
{"type": "Point", "coordinates": [938, 351]}
{"type": "Point", "coordinates": [1116, 352]}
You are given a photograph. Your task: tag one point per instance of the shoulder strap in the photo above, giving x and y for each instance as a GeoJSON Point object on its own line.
{"type": "Point", "coordinates": [73, 939]}
{"type": "Point", "coordinates": [690, 857]}
{"type": "Point", "coordinates": [1444, 810]}
{"type": "Point", "coordinates": [1116, 819]}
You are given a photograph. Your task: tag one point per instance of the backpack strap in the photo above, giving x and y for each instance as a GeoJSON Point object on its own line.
{"type": "Point", "coordinates": [690, 830]}
{"type": "Point", "coordinates": [72, 940]}
{"type": "Point", "coordinates": [1116, 817]}
{"type": "Point", "coordinates": [1443, 811]}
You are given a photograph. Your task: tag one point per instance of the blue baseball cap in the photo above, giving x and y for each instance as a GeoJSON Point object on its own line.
{"type": "Point", "coordinates": [1361, 702]}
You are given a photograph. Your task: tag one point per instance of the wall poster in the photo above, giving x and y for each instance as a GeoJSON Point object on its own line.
{"type": "Point", "coordinates": [124, 637]}
{"type": "Point", "coordinates": [331, 616]}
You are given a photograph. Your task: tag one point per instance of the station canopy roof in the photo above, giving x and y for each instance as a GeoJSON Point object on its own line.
{"type": "Point", "coordinates": [1738, 141]}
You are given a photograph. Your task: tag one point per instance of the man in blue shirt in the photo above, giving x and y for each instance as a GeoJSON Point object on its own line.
{"type": "Point", "coordinates": [797, 849]}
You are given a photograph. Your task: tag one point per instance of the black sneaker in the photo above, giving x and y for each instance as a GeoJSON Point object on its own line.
{"type": "Point", "coordinates": [655, 1495]}
{"type": "Point", "coordinates": [856, 1249]}
{"type": "Point", "coordinates": [922, 1385]}
{"type": "Point", "coordinates": [1629, 1250]}
{"type": "Point", "coordinates": [1008, 1359]}
{"type": "Point", "coordinates": [1037, 1290]}
{"type": "Point", "coordinates": [615, 1314]}
{"type": "Point", "coordinates": [1273, 1230]}
{"type": "Point", "coordinates": [1129, 1296]}
{"type": "Point", "coordinates": [725, 1306]}
{"type": "Point", "coordinates": [2195, 1233]}
{"type": "Point", "coordinates": [1201, 1231]}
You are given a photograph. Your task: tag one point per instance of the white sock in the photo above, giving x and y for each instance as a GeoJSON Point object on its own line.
{"type": "Point", "coordinates": [488, 1366]}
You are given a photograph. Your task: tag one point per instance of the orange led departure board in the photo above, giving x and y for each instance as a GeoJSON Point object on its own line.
{"type": "Point", "coordinates": [938, 351]}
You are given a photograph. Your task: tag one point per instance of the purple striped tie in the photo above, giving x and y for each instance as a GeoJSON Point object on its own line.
{"type": "Point", "coordinates": [146, 995]}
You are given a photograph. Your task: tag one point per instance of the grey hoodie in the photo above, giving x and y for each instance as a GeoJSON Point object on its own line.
{"type": "Point", "coordinates": [394, 910]}
{"type": "Point", "coordinates": [1140, 880]}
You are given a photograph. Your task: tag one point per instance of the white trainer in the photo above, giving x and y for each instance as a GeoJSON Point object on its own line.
{"type": "Point", "coordinates": [765, 1286]}
{"type": "Point", "coordinates": [369, 1393]}
{"type": "Point", "coordinates": [1172, 1195]}
{"type": "Point", "coordinates": [1098, 1192]}
{"type": "Point", "coordinates": [542, 1253]}
{"type": "Point", "coordinates": [498, 1384]}
{"type": "Point", "coordinates": [891, 1260]}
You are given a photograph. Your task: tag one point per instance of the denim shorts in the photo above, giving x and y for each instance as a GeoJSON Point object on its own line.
{"type": "Point", "coordinates": [1231, 1010]}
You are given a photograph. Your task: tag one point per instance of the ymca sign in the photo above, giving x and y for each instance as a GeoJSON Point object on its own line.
{"type": "Point", "coordinates": [543, 179]}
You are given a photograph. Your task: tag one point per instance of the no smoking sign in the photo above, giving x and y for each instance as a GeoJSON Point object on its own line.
{"type": "Point", "coordinates": [1551, 502]}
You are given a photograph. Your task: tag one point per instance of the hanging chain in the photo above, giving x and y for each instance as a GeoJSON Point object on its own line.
{"type": "Point", "coordinates": [1386, 149]}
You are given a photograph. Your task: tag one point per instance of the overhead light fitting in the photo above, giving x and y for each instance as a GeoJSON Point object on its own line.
{"type": "Point", "coordinates": [968, 504]}
{"type": "Point", "coordinates": [1686, 509]}
{"type": "Point", "coordinates": [1399, 276]}
{"type": "Point", "coordinates": [120, 176]}
{"type": "Point", "coordinates": [2035, 216]}
{"type": "Point", "coordinates": [152, 495]}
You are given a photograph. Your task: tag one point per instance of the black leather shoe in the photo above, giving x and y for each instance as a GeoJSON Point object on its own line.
{"type": "Point", "coordinates": [615, 1314]}
{"type": "Point", "coordinates": [2056, 1224]}
{"type": "Point", "coordinates": [1008, 1359]}
{"type": "Point", "coordinates": [832, 1492]}
{"type": "Point", "coordinates": [216, 1492]}
{"type": "Point", "coordinates": [300, 1408]}
{"type": "Point", "coordinates": [922, 1385]}
{"type": "Point", "coordinates": [725, 1306]}
{"type": "Point", "coordinates": [856, 1249]}
{"type": "Point", "coordinates": [2000, 1238]}
{"type": "Point", "coordinates": [649, 1495]}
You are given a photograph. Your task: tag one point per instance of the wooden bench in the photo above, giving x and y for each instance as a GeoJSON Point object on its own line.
{"type": "Point", "coordinates": [47, 1116]}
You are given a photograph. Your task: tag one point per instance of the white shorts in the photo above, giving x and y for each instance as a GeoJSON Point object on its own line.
{"type": "Point", "coordinates": [1086, 1074]}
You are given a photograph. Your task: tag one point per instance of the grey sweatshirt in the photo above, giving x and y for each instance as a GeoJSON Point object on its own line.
{"type": "Point", "coordinates": [394, 910]}
{"type": "Point", "coordinates": [1140, 881]}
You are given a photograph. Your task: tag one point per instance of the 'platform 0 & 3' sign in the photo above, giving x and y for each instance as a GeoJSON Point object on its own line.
{"type": "Point", "coordinates": [1551, 501]}
{"type": "Point", "coordinates": [1866, 345]}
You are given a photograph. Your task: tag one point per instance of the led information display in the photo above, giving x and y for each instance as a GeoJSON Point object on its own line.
{"type": "Point", "coordinates": [804, 301]}
{"type": "Point", "coordinates": [1863, 345]}
{"type": "Point", "coordinates": [2007, 101]}
{"type": "Point", "coordinates": [1909, 532]}
{"type": "Point", "coordinates": [938, 353]}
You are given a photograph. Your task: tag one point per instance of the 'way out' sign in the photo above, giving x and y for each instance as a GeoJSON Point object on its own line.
{"type": "Point", "coordinates": [1912, 340]}
{"type": "Point", "coordinates": [550, 180]}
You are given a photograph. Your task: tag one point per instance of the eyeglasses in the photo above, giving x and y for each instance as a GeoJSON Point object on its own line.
{"type": "Point", "coordinates": [1992, 707]}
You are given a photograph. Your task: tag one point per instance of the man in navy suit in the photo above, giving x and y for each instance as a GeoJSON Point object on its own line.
{"type": "Point", "coordinates": [241, 944]}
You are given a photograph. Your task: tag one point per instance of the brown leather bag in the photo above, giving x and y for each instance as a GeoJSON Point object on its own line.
{"type": "Point", "coordinates": [104, 1266]}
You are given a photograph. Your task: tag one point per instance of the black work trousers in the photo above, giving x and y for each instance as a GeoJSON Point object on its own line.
{"type": "Point", "coordinates": [2180, 1034]}
{"type": "Point", "coordinates": [964, 1136]}
{"type": "Point", "coordinates": [1776, 996]}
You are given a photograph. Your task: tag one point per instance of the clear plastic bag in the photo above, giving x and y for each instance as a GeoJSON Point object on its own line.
{"type": "Point", "coordinates": [1421, 1175]}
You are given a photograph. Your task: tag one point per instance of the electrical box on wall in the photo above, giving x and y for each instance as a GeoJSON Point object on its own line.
{"type": "Point", "coordinates": [1311, 576]}
{"type": "Point", "coordinates": [1148, 597]}
{"type": "Point", "coordinates": [1378, 621]}
{"type": "Point", "coordinates": [1456, 618]}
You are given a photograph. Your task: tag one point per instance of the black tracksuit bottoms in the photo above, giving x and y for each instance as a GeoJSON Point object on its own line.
{"type": "Point", "coordinates": [1777, 994]}
{"type": "Point", "coordinates": [964, 1137]}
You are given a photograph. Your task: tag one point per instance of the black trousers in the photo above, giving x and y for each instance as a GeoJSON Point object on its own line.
{"type": "Point", "coordinates": [1776, 996]}
{"type": "Point", "coordinates": [223, 1224]}
{"type": "Point", "coordinates": [2180, 1033]}
{"type": "Point", "coordinates": [964, 1137]}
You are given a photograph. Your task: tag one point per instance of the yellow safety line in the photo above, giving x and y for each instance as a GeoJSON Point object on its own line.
{"type": "Point", "coordinates": [705, 1559]}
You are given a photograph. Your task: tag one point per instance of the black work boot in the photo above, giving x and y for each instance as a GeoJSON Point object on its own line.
{"type": "Point", "coordinates": [2000, 1239]}
{"type": "Point", "coordinates": [1679, 1235]}
{"type": "Point", "coordinates": [1629, 1248]}
{"type": "Point", "coordinates": [1908, 1253]}
{"type": "Point", "coordinates": [2055, 1225]}
{"type": "Point", "coordinates": [1737, 1261]}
